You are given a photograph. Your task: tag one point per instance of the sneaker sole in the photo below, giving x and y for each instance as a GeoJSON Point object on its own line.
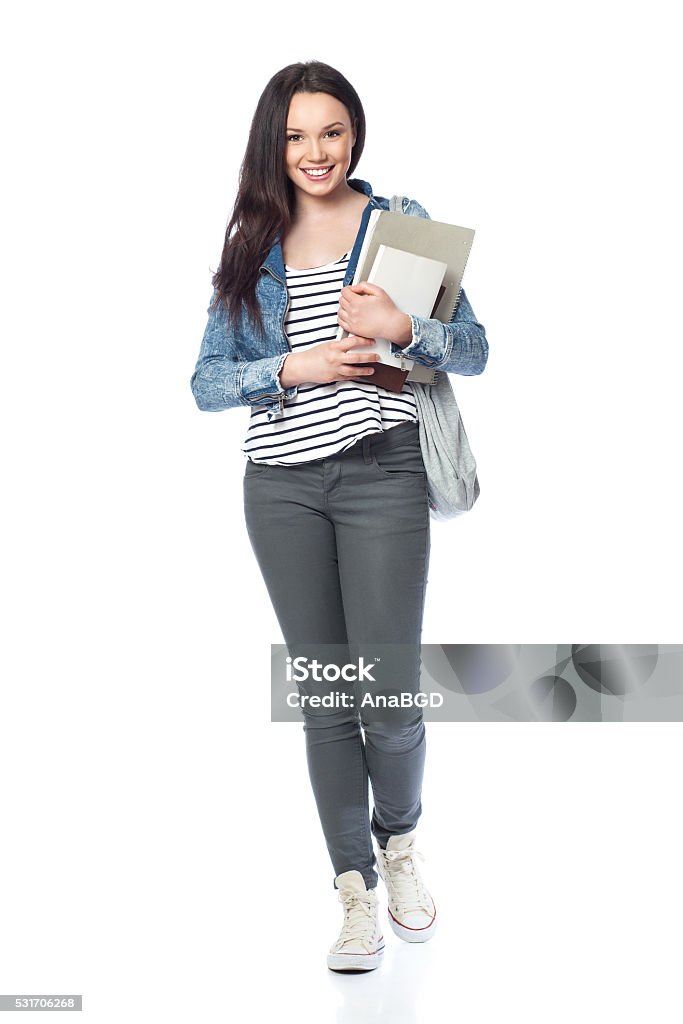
{"type": "Point", "coordinates": [355, 961]}
{"type": "Point", "coordinates": [412, 934]}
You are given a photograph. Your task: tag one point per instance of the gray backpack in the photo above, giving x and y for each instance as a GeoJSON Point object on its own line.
{"type": "Point", "coordinates": [452, 482]}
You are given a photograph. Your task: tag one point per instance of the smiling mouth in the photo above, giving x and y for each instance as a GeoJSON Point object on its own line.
{"type": "Point", "coordinates": [316, 172]}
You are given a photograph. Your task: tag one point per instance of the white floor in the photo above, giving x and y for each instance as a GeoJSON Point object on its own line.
{"type": "Point", "coordinates": [200, 889]}
{"type": "Point", "coordinates": [553, 861]}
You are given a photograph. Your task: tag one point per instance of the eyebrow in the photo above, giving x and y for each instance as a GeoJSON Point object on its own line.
{"type": "Point", "coordinates": [324, 128]}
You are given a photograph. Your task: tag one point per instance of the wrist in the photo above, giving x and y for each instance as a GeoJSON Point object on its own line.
{"type": "Point", "coordinates": [402, 330]}
{"type": "Point", "coordinates": [287, 375]}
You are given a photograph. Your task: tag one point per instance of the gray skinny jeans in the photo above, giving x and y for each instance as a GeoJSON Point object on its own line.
{"type": "Point", "coordinates": [343, 546]}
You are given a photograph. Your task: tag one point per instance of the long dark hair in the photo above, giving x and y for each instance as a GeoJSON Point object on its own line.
{"type": "Point", "coordinates": [265, 197]}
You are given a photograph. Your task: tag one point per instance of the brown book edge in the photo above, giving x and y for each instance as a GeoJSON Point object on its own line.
{"type": "Point", "coordinates": [390, 378]}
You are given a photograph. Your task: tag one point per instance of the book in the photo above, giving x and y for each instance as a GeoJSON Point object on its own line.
{"type": "Point", "coordinates": [420, 264]}
{"type": "Point", "coordinates": [415, 284]}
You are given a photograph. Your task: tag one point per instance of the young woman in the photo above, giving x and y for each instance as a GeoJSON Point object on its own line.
{"type": "Point", "coordinates": [335, 491]}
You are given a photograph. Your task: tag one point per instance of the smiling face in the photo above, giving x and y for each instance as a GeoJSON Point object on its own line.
{"type": "Point", "coordinates": [319, 136]}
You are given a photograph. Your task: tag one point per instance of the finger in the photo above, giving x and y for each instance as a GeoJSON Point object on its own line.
{"type": "Point", "coordinates": [361, 357]}
{"type": "Point", "coordinates": [365, 288]}
{"type": "Point", "coordinates": [354, 340]}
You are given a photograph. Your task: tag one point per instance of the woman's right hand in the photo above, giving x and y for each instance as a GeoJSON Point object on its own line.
{"type": "Point", "coordinates": [331, 361]}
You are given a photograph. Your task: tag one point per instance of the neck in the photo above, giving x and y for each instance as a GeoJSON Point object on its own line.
{"type": "Point", "coordinates": [311, 207]}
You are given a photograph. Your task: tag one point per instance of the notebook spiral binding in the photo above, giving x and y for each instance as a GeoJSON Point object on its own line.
{"type": "Point", "coordinates": [432, 379]}
{"type": "Point", "coordinates": [457, 298]}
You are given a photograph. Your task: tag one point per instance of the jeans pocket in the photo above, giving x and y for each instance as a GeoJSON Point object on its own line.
{"type": "Point", "coordinates": [404, 460]}
{"type": "Point", "coordinates": [254, 468]}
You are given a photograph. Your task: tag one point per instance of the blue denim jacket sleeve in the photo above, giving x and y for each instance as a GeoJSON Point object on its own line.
{"type": "Point", "coordinates": [459, 346]}
{"type": "Point", "coordinates": [222, 381]}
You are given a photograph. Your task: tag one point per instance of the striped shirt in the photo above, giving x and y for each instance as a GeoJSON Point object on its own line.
{"type": "Point", "coordinates": [322, 419]}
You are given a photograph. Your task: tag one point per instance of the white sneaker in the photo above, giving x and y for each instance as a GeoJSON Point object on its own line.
{"type": "Point", "coordinates": [412, 912]}
{"type": "Point", "coordinates": [360, 946]}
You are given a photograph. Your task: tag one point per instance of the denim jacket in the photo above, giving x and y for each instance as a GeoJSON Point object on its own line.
{"type": "Point", "coordinates": [237, 367]}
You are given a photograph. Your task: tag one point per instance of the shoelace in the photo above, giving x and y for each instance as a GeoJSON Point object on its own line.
{"type": "Point", "coordinates": [359, 914]}
{"type": "Point", "coordinates": [407, 887]}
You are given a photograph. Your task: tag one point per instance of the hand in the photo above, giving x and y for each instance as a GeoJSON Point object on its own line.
{"type": "Point", "coordinates": [367, 310]}
{"type": "Point", "coordinates": [331, 361]}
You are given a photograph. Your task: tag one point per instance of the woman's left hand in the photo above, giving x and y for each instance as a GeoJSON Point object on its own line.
{"type": "Point", "coordinates": [366, 309]}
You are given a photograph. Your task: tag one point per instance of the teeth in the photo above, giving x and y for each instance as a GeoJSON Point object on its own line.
{"type": "Point", "coordinates": [315, 174]}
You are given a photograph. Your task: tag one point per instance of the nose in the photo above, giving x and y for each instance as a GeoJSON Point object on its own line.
{"type": "Point", "coordinates": [316, 154]}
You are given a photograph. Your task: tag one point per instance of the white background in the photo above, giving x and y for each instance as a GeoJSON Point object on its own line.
{"type": "Point", "coordinates": [160, 849]}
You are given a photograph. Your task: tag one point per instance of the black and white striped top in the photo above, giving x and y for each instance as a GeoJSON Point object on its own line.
{"type": "Point", "coordinates": [322, 419]}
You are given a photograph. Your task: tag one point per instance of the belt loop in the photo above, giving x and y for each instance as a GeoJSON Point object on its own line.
{"type": "Point", "coordinates": [367, 457]}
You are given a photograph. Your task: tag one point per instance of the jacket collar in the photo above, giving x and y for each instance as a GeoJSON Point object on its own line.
{"type": "Point", "coordinates": [274, 260]}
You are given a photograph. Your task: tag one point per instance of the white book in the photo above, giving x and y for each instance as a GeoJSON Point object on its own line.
{"type": "Point", "coordinates": [412, 283]}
